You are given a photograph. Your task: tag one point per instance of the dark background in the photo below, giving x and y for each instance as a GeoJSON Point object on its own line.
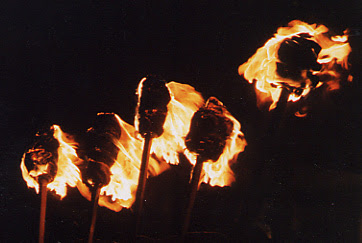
{"type": "Point", "coordinates": [62, 62]}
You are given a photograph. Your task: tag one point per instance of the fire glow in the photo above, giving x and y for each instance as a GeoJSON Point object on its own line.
{"type": "Point", "coordinates": [121, 190]}
{"type": "Point", "coordinates": [261, 68]}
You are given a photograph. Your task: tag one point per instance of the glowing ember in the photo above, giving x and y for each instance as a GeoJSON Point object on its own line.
{"type": "Point", "coordinates": [67, 172]}
{"type": "Point", "coordinates": [299, 57]}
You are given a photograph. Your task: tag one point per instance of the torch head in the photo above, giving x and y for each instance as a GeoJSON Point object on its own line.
{"type": "Point", "coordinates": [97, 174]}
{"type": "Point", "coordinates": [101, 150]}
{"type": "Point", "coordinates": [41, 159]}
{"type": "Point", "coordinates": [209, 130]}
{"type": "Point", "coordinates": [153, 97]}
{"type": "Point", "coordinates": [101, 139]}
{"type": "Point", "coordinates": [296, 54]}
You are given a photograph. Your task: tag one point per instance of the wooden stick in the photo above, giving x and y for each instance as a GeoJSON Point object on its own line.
{"type": "Point", "coordinates": [192, 196]}
{"type": "Point", "coordinates": [43, 205]}
{"type": "Point", "coordinates": [142, 180]}
{"type": "Point", "coordinates": [95, 198]}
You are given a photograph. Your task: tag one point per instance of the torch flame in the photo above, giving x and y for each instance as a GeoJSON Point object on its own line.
{"type": "Point", "coordinates": [219, 173]}
{"type": "Point", "coordinates": [262, 66]}
{"type": "Point", "coordinates": [67, 173]}
{"type": "Point", "coordinates": [185, 101]}
{"type": "Point", "coordinates": [121, 190]}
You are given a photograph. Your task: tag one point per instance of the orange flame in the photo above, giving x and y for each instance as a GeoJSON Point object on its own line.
{"type": "Point", "coordinates": [121, 190]}
{"type": "Point", "coordinates": [67, 173]}
{"type": "Point", "coordinates": [219, 173]}
{"type": "Point", "coordinates": [262, 66]}
{"type": "Point", "coordinates": [185, 101]}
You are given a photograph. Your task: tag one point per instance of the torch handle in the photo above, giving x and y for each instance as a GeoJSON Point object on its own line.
{"type": "Point", "coordinates": [142, 179]}
{"type": "Point", "coordinates": [95, 199]}
{"type": "Point", "coordinates": [192, 196]}
{"type": "Point", "coordinates": [43, 206]}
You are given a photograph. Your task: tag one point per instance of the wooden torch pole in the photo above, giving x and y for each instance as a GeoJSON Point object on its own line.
{"type": "Point", "coordinates": [43, 204]}
{"type": "Point", "coordinates": [142, 180]}
{"type": "Point", "coordinates": [95, 198]}
{"type": "Point", "coordinates": [192, 196]}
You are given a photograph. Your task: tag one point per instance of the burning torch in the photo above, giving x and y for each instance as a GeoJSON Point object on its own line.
{"type": "Point", "coordinates": [41, 163]}
{"type": "Point", "coordinates": [151, 111]}
{"type": "Point", "coordinates": [209, 130]}
{"type": "Point", "coordinates": [298, 62]}
{"type": "Point", "coordinates": [298, 59]}
{"type": "Point", "coordinates": [100, 152]}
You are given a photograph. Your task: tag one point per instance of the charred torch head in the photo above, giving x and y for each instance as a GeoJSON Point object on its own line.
{"type": "Point", "coordinates": [97, 174]}
{"type": "Point", "coordinates": [296, 54]}
{"type": "Point", "coordinates": [300, 57]}
{"type": "Point", "coordinates": [209, 130]}
{"type": "Point", "coordinates": [153, 97]}
{"type": "Point", "coordinates": [41, 159]}
{"type": "Point", "coordinates": [101, 149]}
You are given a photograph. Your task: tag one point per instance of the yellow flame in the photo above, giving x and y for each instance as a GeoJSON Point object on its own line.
{"type": "Point", "coordinates": [219, 173]}
{"type": "Point", "coordinates": [30, 181]}
{"type": "Point", "coordinates": [121, 190]}
{"type": "Point", "coordinates": [67, 172]}
{"type": "Point", "coordinates": [261, 67]}
{"type": "Point", "coordinates": [185, 101]}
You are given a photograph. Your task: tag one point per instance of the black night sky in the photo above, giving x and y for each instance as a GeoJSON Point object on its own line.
{"type": "Point", "coordinates": [62, 62]}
